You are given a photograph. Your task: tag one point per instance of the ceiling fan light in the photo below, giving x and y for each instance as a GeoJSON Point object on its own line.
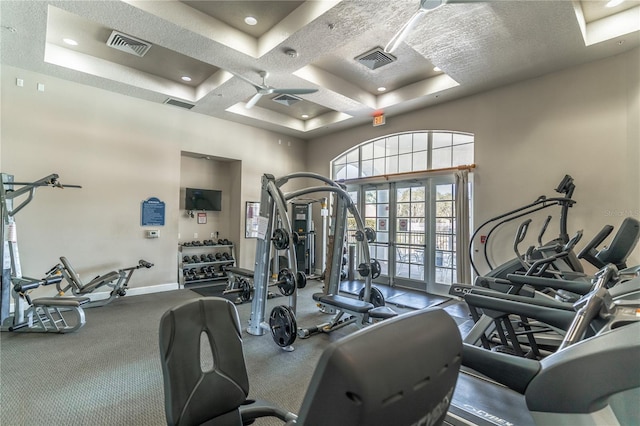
{"type": "Point", "coordinates": [250, 20]}
{"type": "Point", "coordinates": [382, 89]}
{"type": "Point", "coordinates": [185, 78]}
{"type": "Point", "coordinates": [70, 41]}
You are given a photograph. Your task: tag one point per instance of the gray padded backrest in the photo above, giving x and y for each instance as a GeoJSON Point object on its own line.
{"type": "Point", "coordinates": [193, 396]}
{"type": "Point", "coordinates": [401, 371]}
{"type": "Point", "coordinates": [73, 275]}
{"type": "Point", "coordinates": [622, 244]}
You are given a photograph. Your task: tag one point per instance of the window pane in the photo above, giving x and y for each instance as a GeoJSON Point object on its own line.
{"type": "Point", "coordinates": [444, 209]}
{"type": "Point", "coordinates": [419, 161]}
{"type": "Point", "coordinates": [370, 210]}
{"type": "Point", "coordinates": [403, 194]}
{"type": "Point", "coordinates": [403, 209]}
{"type": "Point", "coordinates": [460, 139]}
{"type": "Point", "coordinates": [352, 157]}
{"type": "Point", "coordinates": [383, 196]}
{"type": "Point", "coordinates": [444, 226]}
{"type": "Point", "coordinates": [405, 144]}
{"type": "Point", "coordinates": [463, 154]}
{"type": "Point", "coordinates": [366, 151]}
{"type": "Point", "coordinates": [379, 148]}
{"type": "Point", "coordinates": [352, 171]}
{"type": "Point", "coordinates": [440, 140]}
{"type": "Point", "coordinates": [339, 172]}
{"type": "Point", "coordinates": [404, 163]}
{"type": "Point", "coordinates": [392, 165]}
{"type": "Point", "coordinates": [392, 145]}
{"type": "Point", "coordinates": [419, 142]}
{"type": "Point", "coordinates": [441, 158]}
{"type": "Point", "coordinates": [444, 191]}
{"type": "Point", "coordinates": [370, 196]}
{"type": "Point", "coordinates": [383, 210]}
{"type": "Point", "coordinates": [417, 210]}
{"type": "Point", "coordinates": [367, 168]}
{"type": "Point", "coordinates": [444, 276]}
{"type": "Point", "coordinates": [341, 160]}
{"type": "Point", "coordinates": [378, 166]}
{"type": "Point", "coordinates": [417, 193]}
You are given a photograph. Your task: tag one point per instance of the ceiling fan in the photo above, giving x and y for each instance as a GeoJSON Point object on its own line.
{"type": "Point", "coordinates": [425, 6]}
{"type": "Point", "coordinates": [264, 89]}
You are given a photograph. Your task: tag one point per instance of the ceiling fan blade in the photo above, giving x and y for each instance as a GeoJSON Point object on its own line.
{"type": "Point", "coordinates": [295, 91]}
{"type": "Point", "coordinates": [258, 87]}
{"type": "Point", "coordinates": [402, 34]}
{"type": "Point", "coordinates": [253, 100]}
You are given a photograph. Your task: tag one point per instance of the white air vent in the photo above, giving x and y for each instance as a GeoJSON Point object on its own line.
{"type": "Point", "coordinates": [375, 58]}
{"type": "Point", "coordinates": [178, 103]}
{"type": "Point", "coordinates": [129, 44]}
{"type": "Point", "coordinates": [286, 100]}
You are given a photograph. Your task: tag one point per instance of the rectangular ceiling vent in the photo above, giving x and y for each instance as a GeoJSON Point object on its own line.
{"type": "Point", "coordinates": [286, 100]}
{"type": "Point", "coordinates": [129, 44]}
{"type": "Point", "coordinates": [375, 58]}
{"type": "Point", "coordinates": [178, 103]}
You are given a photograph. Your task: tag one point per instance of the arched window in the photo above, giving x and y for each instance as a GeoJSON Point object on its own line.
{"type": "Point", "coordinates": [403, 153]}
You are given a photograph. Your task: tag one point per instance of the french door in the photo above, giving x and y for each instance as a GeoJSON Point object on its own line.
{"type": "Point", "coordinates": [415, 231]}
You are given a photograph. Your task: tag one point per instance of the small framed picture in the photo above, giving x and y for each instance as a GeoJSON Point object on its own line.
{"type": "Point", "coordinates": [202, 218]}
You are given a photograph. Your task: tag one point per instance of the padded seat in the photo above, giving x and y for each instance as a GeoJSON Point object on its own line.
{"type": "Point", "coordinates": [354, 382]}
{"type": "Point", "coordinates": [72, 302]}
{"type": "Point", "coordinates": [382, 312]}
{"type": "Point", "coordinates": [343, 302]}
{"type": "Point", "coordinates": [247, 273]}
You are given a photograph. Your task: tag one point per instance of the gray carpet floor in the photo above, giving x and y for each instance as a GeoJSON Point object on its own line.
{"type": "Point", "coordinates": [108, 372]}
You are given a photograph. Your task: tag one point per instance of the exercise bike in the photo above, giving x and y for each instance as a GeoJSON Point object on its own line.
{"type": "Point", "coordinates": [116, 280]}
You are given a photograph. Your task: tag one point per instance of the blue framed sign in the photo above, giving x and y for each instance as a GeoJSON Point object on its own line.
{"type": "Point", "coordinates": [152, 212]}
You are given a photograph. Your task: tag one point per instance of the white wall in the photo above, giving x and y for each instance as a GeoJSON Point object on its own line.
{"type": "Point", "coordinates": [583, 121]}
{"type": "Point", "coordinates": [122, 151]}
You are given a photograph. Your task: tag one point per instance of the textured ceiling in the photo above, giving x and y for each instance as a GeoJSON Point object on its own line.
{"type": "Point", "coordinates": [478, 45]}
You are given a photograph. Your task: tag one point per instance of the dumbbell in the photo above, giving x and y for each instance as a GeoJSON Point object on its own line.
{"type": "Point", "coordinates": [211, 257]}
{"type": "Point", "coordinates": [195, 259]}
{"type": "Point", "coordinates": [203, 258]}
{"type": "Point", "coordinates": [186, 259]}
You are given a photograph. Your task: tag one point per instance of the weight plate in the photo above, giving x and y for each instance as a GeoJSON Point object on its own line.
{"type": "Point", "coordinates": [282, 323]}
{"type": "Point", "coordinates": [376, 298]}
{"type": "Point", "coordinates": [286, 282]}
{"type": "Point", "coordinates": [375, 269]}
{"type": "Point", "coordinates": [301, 279]}
{"type": "Point", "coordinates": [245, 295]}
{"type": "Point", "coordinates": [280, 239]}
{"type": "Point", "coordinates": [370, 234]}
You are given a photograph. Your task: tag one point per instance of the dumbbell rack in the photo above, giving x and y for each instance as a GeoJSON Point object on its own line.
{"type": "Point", "coordinates": [192, 273]}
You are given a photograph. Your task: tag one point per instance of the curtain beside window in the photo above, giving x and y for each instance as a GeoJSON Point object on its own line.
{"type": "Point", "coordinates": [463, 263]}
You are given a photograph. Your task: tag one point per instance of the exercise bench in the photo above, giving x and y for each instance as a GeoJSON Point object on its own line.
{"type": "Point", "coordinates": [348, 311]}
{"type": "Point", "coordinates": [117, 280]}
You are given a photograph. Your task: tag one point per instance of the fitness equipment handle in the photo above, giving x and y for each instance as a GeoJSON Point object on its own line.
{"type": "Point", "coordinates": [22, 287]}
{"type": "Point", "coordinates": [589, 308]}
{"type": "Point", "coordinates": [144, 263]}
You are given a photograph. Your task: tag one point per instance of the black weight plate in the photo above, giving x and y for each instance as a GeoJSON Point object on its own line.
{"type": "Point", "coordinates": [282, 323]}
{"type": "Point", "coordinates": [286, 282]}
{"type": "Point", "coordinates": [245, 295]}
{"type": "Point", "coordinates": [301, 279]}
{"type": "Point", "coordinates": [376, 298]}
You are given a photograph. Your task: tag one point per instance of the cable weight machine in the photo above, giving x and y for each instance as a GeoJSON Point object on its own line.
{"type": "Point", "coordinates": [273, 206]}
{"type": "Point", "coordinates": [45, 314]}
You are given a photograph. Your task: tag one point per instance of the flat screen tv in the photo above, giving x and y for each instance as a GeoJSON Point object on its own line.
{"type": "Point", "coordinates": [203, 199]}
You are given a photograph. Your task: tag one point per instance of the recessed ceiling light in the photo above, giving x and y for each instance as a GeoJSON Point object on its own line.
{"type": "Point", "coordinates": [382, 89]}
{"type": "Point", "coordinates": [614, 3]}
{"type": "Point", "coordinates": [305, 116]}
{"type": "Point", "coordinates": [185, 78]}
{"type": "Point", "coordinates": [70, 41]}
{"type": "Point", "coordinates": [250, 20]}
{"type": "Point", "coordinates": [437, 69]}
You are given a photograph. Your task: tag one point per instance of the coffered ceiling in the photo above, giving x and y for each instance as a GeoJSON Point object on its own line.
{"type": "Point", "coordinates": [335, 47]}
